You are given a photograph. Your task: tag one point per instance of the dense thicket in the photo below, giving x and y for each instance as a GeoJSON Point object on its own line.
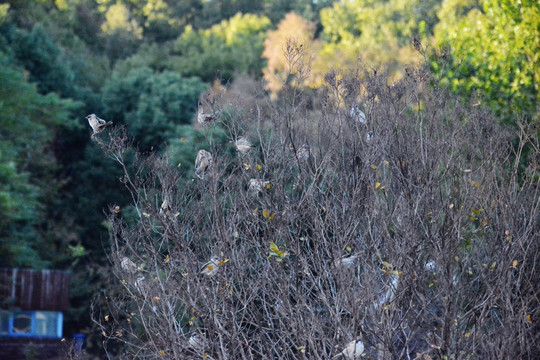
{"type": "Point", "coordinates": [408, 227]}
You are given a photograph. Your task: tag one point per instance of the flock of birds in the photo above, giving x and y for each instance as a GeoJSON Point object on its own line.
{"type": "Point", "coordinates": [203, 162]}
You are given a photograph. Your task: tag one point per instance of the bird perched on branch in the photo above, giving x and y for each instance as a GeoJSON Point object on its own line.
{"type": "Point", "coordinates": [303, 153]}
{"type": "Point", "coordinates": [352, 351]}
{"type": "Point", "coordinates": [165, 207]}
{"type": "Point", "coordinates": [346, 261]}
{"type": "Point", "coordinates": [211, 267]}
{"type": "Point", "coordinates": [97, 124]}
{"type": "Point", "coordinates": [243, 145]}
{"type": "Point", "coordinates": [206, 118]}
{"type": "Point", "coordinates": [358, 115]}
{"type": "Point", "coordinates": [203, 161]}
{"type": "Point", "coordinates": [258, 185]}
{"type": "Point", "coordinates": [128, 265]}
{"type": "Point", "coordinates": [198, 342]}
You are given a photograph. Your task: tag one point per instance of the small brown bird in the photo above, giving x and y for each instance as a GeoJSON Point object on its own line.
{"type": "Point", "coordinates": [206, 118]}
{"type": "Point", "coordinates": [358, 115]}
{"type": "Point", "coordinates": [165, 207]}
{"type": "Point", "coordinates": [128, 265]}
{"type": "Point", "coordinates": [352, 351]}
{"type": "Point", "coordinates": [97, 124]}
{"type": "Point", "coordinates": [303, 153]}
{"type": "Point", "coordinates": [211, 267]}
{"type": "Point", "coordinates": [198, 342]}
{"type": "Point", "coordinates": [346, 261]}
{"type": "Point", "coordinates": [203, 161]}
{"type": "Point", "coordinates": [258, 185]}
{"type": "Point", "coordinates": [243, 145]}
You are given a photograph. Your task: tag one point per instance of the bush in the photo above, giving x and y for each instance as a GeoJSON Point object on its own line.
{"type": "Point", "coordinates": [411, 231]}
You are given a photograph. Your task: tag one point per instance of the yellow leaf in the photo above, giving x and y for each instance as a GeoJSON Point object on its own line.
{"type": "Point", "coordinates": [430, 213]}
{"type": "Point", "coordinates": [106, 317]}
{"type": "Point", "coordinates": [377, 185]}
{"type": "Point", "coordinates": [146, 214]}
{"type": "Point", "coordinates": [386, 264]}
{"type": "Point", "coordinates": [167, 259]}
{"type": "Point", "coordinates": [182, 139]}
{"type": "Point", "coordinates": [274, 247]}
{"type": "Point", "coordinates": [161, 352]}
{"type": "Point", "coordinates": [528, 319]}
{"type": "Point", "coordinates": [259, 167]}
{"type": "Point", "coordinates": [268, 186]}
{"type": "Point", "coordinates": [271, 216]}
{"type": "Point", "coordinates": [275, 251]}
{"type": "Point", "coordinates": [156, 298]}
{"type": "Point", "coordinates": [451, 206]}
{"type": "Point", "coordinates": [373, 167]}
{"type": "Point", "coordinates": [514, 263]}
{"type": "Point", "coordinates": [266, 213]}
{"type": "Point", "coordinates": [246, 166]}
{"type": "Point", "coordinates": [431, 285]}
{"type": "Point", "coordinates": [222, 261]}
{"type": "Point", "coordinates": [386, 163]}
{"type": "Point", "coordinates": [349, 249]}
{"type": "Point", "coordinates": [468, 335]}
{"type": "Point", "coordinates": [492, 267]}
{"type": "Point", "coordinates": [386, 307]}
{"type": "Point", "coordinates": [456, 258]}
{"type": "Point", "coordinates": [179, 164]}
{"type": "Point", "coordinates": [476, 211]}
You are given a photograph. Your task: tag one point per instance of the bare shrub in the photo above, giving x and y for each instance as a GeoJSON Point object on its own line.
{"type": "Point", "coordinates": [412, 231]}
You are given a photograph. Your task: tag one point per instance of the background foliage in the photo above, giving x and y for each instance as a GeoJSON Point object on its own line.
{"type": "Point", "coordinates": [145, 63]}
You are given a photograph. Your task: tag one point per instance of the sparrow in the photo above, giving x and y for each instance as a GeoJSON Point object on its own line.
{"type": "Point", "coordinates": [203, 161]}
{"type": "Point", "coordinates": [211, 267]}
{"type": "Point", "coordinates": [97, 124]}
{"type": "Point", "coordinates": [257, 185]}
{"type": "Point", "coordinates": [243, 145]}
{"type": "Point", "coordinates": [128, 265]}
{"type": "Point", "coordinates": [205, 118]}
{"type": "Point", "coordinates": [358, 115]}
{"type": "Point", "coordinates": [346, 261]}
{"type": "Point", "coordinates": [303, 153]}
{"type": "Point", "coordinates": [165, 207]}
{"type": "Point", "coordinates": [352, 351]}
{"type": "Point", "coordinates": [198, 342]}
